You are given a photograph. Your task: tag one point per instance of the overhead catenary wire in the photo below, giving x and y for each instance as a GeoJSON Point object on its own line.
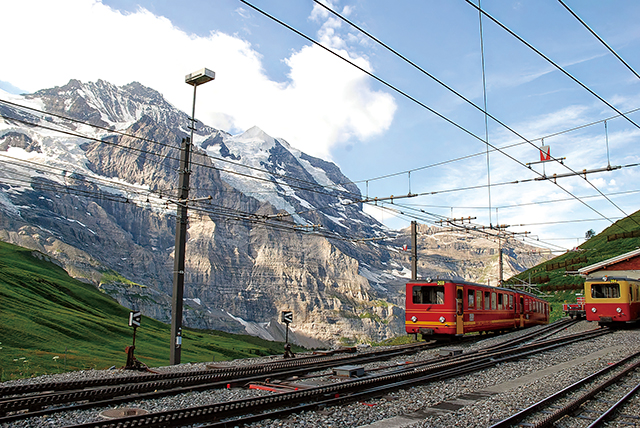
{"type": "Point", "coordinates": [461, 158]}
{"type": "Point", "coordinates": [438, 81]}
{"type": "Point", "coordinates": [548, 201]}
{"type": "Point", "coordinates": [147, 152]}
{"type": "Point", "coordinates": [314, 188]}
{"type": "Point", "coordinates": [550, 61]}
{"type": "Point", "coordinates": [132, 192]}
{"type": "Point", "coordinates": [575, 15]}
{"type": "Point", "coordinates": [566, 73]}
{"type": "Point", "coordinates": [312, 185]}
{"type": "Point", "coordinates": [226, 213]}
{"type": "Point", "coordinates": [139, 150]}
{"type": "Point", "coordinates": [486, 116]}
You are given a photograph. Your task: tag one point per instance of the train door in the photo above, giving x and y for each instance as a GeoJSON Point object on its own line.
{"type": "Point", "coordinates": [521, 311]}
{"type": "Point", "coordinates": [459, 310]}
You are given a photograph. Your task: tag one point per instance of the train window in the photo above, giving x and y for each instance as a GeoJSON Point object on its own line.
{"type": "Point", "coordinates": [433, 295]}
{"type": "Point", "coordinates": [486, 300]}
{"type": "Point", "coordinates": [605, 291]}
{"type": "Point", "coordinates": [479, 299]}
{"type": "Point", "coordinates": [500, 299]}
{"type": "Point", "coordinates": [493, 300]}
{"type": "Point", "coordinates": [510, 301]}
{"type": "Point", "coordinates": [471, 298]}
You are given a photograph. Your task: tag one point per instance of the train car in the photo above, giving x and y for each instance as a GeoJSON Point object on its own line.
{"type": "Point", "coordinates": [575, 310]}
{"type": "Point", "coordinates": [446, 308]}
{"type": "Point", "coordinates": [612, 301]}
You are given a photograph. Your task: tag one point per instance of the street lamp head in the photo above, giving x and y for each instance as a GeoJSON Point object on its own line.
{"type": "Point", "coordinates": [199, 77]}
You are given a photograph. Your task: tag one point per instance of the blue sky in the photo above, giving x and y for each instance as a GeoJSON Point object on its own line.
{"type": "Point", "coordinates": [270, 77]}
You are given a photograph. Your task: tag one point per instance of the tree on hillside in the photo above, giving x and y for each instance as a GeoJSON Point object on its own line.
{"type": "Point", "coordinates": [589, 234]}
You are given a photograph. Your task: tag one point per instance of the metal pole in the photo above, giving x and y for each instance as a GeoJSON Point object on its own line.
{"type": "Point", "coordinates": [178, 265]}
{"type": "Point", "coordinates": [414, 250]}
{"type": "Point", "coordinates": [500, 273]}
{"type": "Point", "coordinates": [194, 79]}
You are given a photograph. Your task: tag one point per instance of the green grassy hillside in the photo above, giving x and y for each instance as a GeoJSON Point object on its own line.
{"type": "Point", "coordinates": [50, 323]}
{"type": "Point", "coordinates": [619, 238]}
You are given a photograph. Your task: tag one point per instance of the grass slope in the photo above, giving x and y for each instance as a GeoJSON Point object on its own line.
{"type": "Point", "coordinates": [552, 275]}
{"type": "Point", "coordinates": [50, 323]}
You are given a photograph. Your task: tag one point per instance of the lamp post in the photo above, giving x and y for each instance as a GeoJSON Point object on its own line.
{"type": "Point", "coordinates": [197, 78]}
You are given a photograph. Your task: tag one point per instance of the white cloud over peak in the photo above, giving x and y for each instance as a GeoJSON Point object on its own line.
{"type": "Point", "coordinates": [324, 102]}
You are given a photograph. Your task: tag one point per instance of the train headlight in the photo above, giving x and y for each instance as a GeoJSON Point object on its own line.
{"type": "Point", "coordinates": [593, 310]}
{"type": "Point", "coordinates": [442, 319]}
{"type": "Point", "coordinates": [618, 310]}
{"type": "Point", "coordinates": [414, 318]}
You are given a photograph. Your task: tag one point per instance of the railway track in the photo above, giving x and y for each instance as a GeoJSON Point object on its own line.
{"type": "Point", "coordinates": [239, 412]}
{"type": "Point", "coordinates": [38, 400]}
{"type": "Point", "coordinates": [24, 401]}
{"type": "Point", "coordinates": [589, 402]}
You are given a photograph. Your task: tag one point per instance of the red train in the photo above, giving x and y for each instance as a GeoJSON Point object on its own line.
{"type": "Point", "coordinates": [575, 310]}
{"type": "Point", "coordinates": [445, 308]}
{"type": "Point", "coordinates": [613, 301]}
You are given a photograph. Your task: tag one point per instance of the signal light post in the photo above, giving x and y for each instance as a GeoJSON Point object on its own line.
{"type": "Point", "coordinates": [197, 78]}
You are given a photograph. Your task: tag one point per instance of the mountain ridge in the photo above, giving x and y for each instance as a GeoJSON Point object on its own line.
{"type": "Point", "coordinates": [283, 230]}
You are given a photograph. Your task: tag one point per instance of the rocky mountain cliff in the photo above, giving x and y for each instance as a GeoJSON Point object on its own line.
{"type": "Point", "coordinates": [89, 172]}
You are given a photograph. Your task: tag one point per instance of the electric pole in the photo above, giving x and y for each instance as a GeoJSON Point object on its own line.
{"type": "Point", "coordinates": [178, 262]}
{"type": "Point", "coordinates": [414, 250]}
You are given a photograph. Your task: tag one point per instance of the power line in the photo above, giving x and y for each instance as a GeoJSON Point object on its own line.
{"type": "Point", "coordinates": [438, 81]}
{"type": "Point", "coordinates": [551, 201]}
{"type": "Point", "coordinates": [275, 174]}
{"type": "Point", "coordinates": [599, 38]}
{"type": "Point", "coordinates": [313, 189]}
{"type": "Point", "coordinates": [219, 210]}
{"type": "Point", "coordinates": [566, 73]}
{"type": "Point", "coordinates": [550, 61]}
{"type": "Point", "coordinates": [555, 134]}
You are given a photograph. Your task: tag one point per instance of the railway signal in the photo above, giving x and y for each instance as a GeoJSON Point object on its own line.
{"type": "Point", "coordinates": [287, 318]}
{"type": "Point", "coordinates": [135, 318]}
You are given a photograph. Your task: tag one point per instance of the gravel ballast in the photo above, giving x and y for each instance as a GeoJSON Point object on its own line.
{"type": "Point", "coordinates": [474, 400]}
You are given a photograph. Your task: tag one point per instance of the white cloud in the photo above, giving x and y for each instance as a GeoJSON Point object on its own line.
{"type": "Point", "coordinates": [325, 102]}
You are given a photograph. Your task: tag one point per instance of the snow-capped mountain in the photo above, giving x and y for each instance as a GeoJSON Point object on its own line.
{"type": "Point", "coordinates": [88, 175]}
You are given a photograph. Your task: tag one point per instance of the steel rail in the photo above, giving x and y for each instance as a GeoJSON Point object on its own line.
{"type": "Point", "coordinates": [88, 398]}
{"type": "Point", "coordinates": [517, 417]}
{"type": "Point", "coordinates": [457, 370]}
{"type": "Point", "coordinates": [240, 371]}
{"type": "Point", "coordinates": [606, 415]}
{"type": "Point", "coordinates": [155, 386]}
{"type": "Point", "coordinates": [347, 390]}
